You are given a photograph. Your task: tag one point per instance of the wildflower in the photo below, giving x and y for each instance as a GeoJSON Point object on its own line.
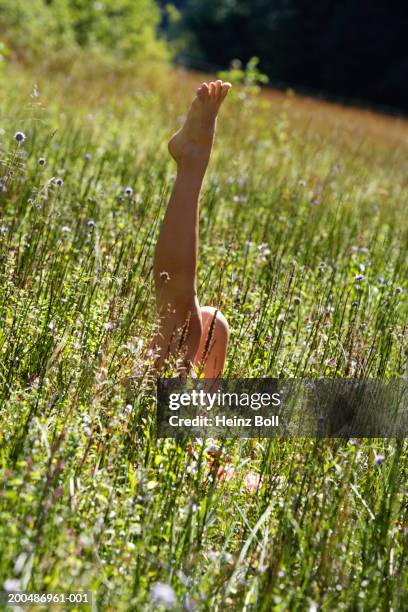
{"type": "Point", "coordinates": [66, 229]}
{"type": "Point", "coordinates": [129, 192]}
{"type": "Point", "coordinates": [87, 157]}
{"type": "Point", "coordinates": [296, 300]}
{"type": "Point", "coordinates": [163, 594]}
{"type": "Point", "coordinates": [226, 473]}
{"type": "Point", "coordinates": [379, 459]}
{"type": "Point", "coordinates": [91, 224]}
{"type": "Point", "coordinates": [263, 249]}
{"type": "Point", "coordinates": [358, 278]}
{"type": "Point", "coordinates": [240, 198]}
{"type": "Point", "coordinates": [19, 137]}
{"type": "Point", "coordinates": [41, 161]}
{"type": "Point", "coordinates": [398, 290]}
{"type": "Point", "coordinates": [3, 229]}
{"type": "Point", "coordinates": [12, 584]}
{"type": "Point", "coordinates": [128, 408]}
{"type": "Point", "coordinates": [59, 182]}
{"type": "Point", "coordinates": [302, 183]}
{"type": "Point", "coordinates": [164, 276]}
{"type": "Point", "coordinates": [252, 481]}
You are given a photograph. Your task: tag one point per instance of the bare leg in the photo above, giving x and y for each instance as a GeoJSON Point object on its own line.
{"type": "Point", "coordinates": [180, 317]}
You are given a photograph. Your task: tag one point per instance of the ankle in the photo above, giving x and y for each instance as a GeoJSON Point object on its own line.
{"type": "Point", "coordinates": [195, 162]}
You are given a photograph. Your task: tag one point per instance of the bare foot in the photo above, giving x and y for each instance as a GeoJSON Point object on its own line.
{"type": "Point", "coordinates": [194, 140]}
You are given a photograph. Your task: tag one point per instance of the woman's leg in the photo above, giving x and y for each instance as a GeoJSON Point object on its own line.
{"type": "Point", "coordinates": [180, 317]}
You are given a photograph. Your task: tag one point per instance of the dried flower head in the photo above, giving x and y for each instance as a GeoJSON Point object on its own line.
{"type": "Point", "coordinates": [19, 137]}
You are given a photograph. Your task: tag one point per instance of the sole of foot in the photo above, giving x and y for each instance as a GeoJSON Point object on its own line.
{"type": "Point", "coordinates": [193, 142]}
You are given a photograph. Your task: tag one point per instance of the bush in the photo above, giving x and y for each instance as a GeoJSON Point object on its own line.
{"type": "Point", "coordinates": [34, 28]}
{"type": "Point", "coordinates": [126, 28]}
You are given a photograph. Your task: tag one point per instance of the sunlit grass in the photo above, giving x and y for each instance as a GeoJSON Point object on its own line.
{"type": "Point", "coordinates": [304, 241]}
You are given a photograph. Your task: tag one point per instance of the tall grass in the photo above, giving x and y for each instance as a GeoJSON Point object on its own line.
{"type": "Point", "coordinates": [304, 242]}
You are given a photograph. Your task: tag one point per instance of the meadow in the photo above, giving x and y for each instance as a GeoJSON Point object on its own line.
{"type": "Point", "coordinates": [304, 240]}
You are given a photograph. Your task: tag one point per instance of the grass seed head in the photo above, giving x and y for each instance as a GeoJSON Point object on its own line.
{"type": "Point", "coordinates": [19, 137]}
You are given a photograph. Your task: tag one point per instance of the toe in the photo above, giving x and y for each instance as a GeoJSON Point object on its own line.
{"type": "Point", "coordinates": [204, 91]}
{"type": "Point", "coordinates": [225, 89]}
{"type": "Point", "coordinates": [217, 86]}
{"type": "Point", "coordinates": [201, 92]}
{"type": "Point", "coordinates": [212, 89]}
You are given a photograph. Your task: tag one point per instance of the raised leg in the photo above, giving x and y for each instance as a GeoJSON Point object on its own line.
{"type": "Point", "coordinates": [180, 317]}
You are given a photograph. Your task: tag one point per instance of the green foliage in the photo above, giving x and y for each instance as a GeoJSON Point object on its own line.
{"type": "Point", "coordinates": [36, 27]}
{"type": "Point", "coordinates": [4, 52]}
{"type": "Point", "coordinates": [126, 28]}
{"type": "Point", "coordinates": [250, 77]}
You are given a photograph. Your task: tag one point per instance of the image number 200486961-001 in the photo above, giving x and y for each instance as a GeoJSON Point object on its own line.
{"type": "Point", "coordinates": [203, 305]}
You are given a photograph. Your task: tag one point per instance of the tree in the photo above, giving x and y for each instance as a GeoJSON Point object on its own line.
{"type": "Point", "coordinates": [350, 48]}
